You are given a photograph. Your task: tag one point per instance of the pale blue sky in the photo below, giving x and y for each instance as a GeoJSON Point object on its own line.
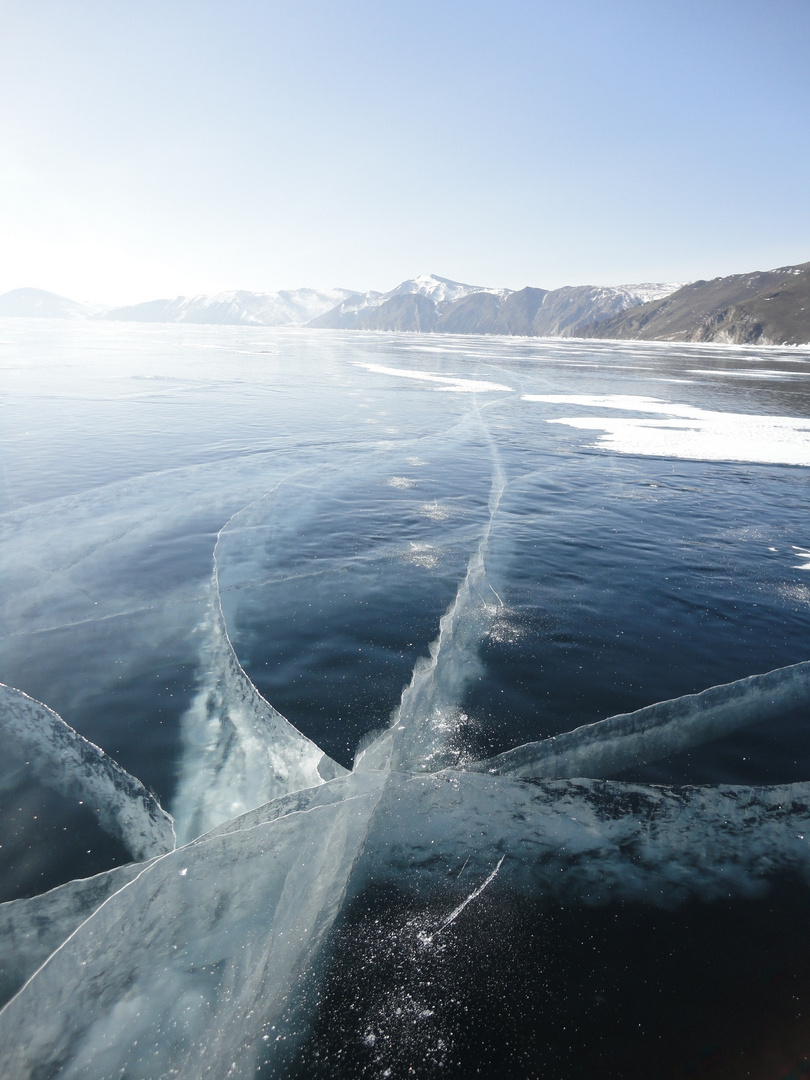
{"type": "Point", "coordinates": [180, 146]}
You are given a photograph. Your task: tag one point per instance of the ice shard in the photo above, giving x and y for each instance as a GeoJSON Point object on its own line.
{"type": "Point", "coordinates": [193, 968]}
{"type": "Point", "coordinates": [33, 928]}
{"type": "Point", "coordinates": [424, 734]}
{"type": "Point", "coordinates": [238, 751]}
{"type": "Point", "coordinates": [589, 841]}
{"type": "Point", "coordinates": [606, 748]}
{"type": "Point", "coordinates": [38, 740]}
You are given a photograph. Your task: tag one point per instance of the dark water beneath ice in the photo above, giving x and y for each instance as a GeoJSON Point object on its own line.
{"type": "Point", "coordinates": [349, 492]}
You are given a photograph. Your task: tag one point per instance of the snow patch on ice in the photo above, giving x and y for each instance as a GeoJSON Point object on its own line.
{"type": "Point", "coordinates": [686, 431]}
{"type": "Point", "coordinates": [451, 383]}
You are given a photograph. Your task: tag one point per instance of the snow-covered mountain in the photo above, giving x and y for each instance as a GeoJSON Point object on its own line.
{"type": "Point", "coordinates": [348, 313]}
{"type": "Point", "coordinates": [290, 307]}
{"type": "Point", "coordinates": [39, 304]}
{"type": "Point", "coordinates": [432, 304]}
{"type": "Point", "coordinates": [565, 312]}
{"type": "Point", "coordinates": [415, 304]}
{"type": "Point", "coordinates": [441, 291]}
{"type": "Point", "coordinates": [648, 291]}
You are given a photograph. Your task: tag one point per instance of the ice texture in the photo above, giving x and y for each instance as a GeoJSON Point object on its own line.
{"type": "Point", "coordinates": [424, 734]}
{"type": "Point", "coordinates": [37, 739]}
{"type": "Point", "coordinates": [589, 841]}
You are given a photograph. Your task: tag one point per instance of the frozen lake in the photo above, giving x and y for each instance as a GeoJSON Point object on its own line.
{"type": "Point", "coordinates": [484, 542]}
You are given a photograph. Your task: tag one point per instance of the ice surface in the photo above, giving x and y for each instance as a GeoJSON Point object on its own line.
{"type": "Point", "coordinates": [761, 373]}
{"type": "Point", "coordinates": [658, 731]}
{"type": "Point", "coordinates": [589, 841]}
{"type": "Point", "coordinates": [424, 735]}
{"type": "Point", "coordinates": [197, 964]}
{"type": "Point", "coordinates": [35, 738]}
{"type": "Point", "coordinates": [204, 961]}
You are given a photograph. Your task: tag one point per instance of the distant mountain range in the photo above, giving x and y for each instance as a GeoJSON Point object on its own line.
{"type": "Point", "coordinates": [290, 307]}
{"type": "Point", "coordinates": [764, 308]}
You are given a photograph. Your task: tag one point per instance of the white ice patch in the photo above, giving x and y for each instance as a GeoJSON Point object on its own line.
{"type": "Point", "coordinates": [686, 431]}
{"type": "Point", "coordinates": [453, 383]}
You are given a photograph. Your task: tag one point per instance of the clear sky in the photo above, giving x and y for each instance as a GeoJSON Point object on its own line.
{"type": "Point", "coordinates": [161, 147]}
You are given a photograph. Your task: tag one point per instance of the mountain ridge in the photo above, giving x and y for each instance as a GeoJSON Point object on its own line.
{"type": "Point", "coordinates": [769, 307]}
{"type": "Point", "coordinates": [432, 304]}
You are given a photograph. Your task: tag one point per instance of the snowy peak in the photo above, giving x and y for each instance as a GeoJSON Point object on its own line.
{"type": "Point", "coordinates": [415, 305]}
{"type": "Point", "coordinates": [648, 291]}
{"type": "Point", "coordinates": [439, 290]}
